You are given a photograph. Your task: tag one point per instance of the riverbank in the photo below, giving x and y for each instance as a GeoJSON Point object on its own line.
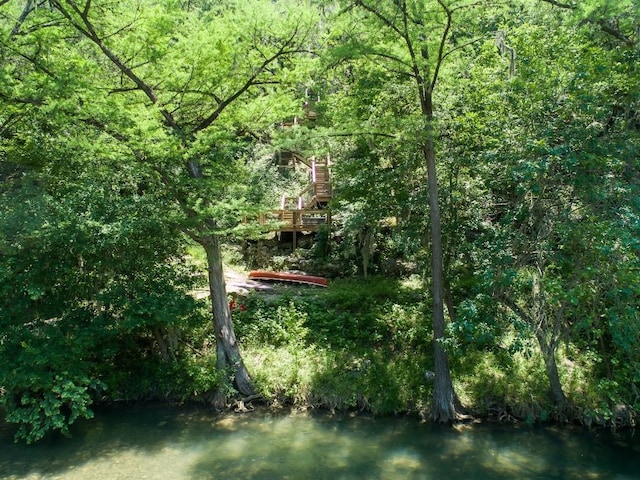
{"type": "Point", "coordinates": [358, 346]}
{"type": "Point", "coordinates": [363, 346]}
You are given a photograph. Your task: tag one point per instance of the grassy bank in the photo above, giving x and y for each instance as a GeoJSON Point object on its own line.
{"type": "Point", "coordinates": [365, 345]}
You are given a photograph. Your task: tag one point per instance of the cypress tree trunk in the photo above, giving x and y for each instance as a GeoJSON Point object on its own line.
{"type": "Point", "coordinates": [444, 400]}
{"type": "Point", "coordinates": [228, 353]}
{"type": "Point", "coordinates": [551, 367]}
{"type": "Point", "coordinates": [425, 73]}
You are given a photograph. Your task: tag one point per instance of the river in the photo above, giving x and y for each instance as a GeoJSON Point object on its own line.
{"type": "Point", "coordinates": [159, 442]}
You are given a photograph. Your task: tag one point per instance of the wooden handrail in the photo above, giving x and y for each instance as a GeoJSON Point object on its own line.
{"type": "Point", "coordinates": [306, 190]}
{"type": "Point", "coordinates": [304, 219]}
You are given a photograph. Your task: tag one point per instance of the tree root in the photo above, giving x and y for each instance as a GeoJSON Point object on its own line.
{"type": "Point", "coordinates": [240, 406]}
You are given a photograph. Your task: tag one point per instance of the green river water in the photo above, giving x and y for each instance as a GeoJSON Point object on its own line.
{"type": "Point", "coordinates": [159, 442]}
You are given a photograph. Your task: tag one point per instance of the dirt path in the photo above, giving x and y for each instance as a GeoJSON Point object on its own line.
{"type": "Point", "coordinates": [239, 283]}
{"type": "Point", "coordinates": [236, 283]}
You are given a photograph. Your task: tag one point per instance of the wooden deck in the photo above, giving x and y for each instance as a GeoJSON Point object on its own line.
{"type": "Point", "coordinates": [307, 211]}
{"type": "Point", "coordinates": [297, 220]}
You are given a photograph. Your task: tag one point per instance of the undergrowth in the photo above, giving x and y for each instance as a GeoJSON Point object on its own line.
{"type": "Point", "coordinates": [365, 345]}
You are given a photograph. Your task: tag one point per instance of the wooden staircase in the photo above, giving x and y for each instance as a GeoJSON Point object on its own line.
{"type": "Point", "coordinates": [321, 181]}
{"type": "Point", "coordinates": [318, 193]}
{"type": "Point", "coordinates": [307, 211]}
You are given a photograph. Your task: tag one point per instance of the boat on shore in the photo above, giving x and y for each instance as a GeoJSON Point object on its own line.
{"type": "Point", "coordinates": [288, 277]}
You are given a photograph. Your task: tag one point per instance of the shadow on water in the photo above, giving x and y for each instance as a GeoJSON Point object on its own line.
{"type": "Point", "coordinates": [400, 448]}
{"type": "Point", "coordinates": [132, 430]}
{"type": "Point", "coordinates": [158, 442]}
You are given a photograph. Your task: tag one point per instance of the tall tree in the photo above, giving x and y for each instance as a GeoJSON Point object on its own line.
{"type": "Point", "coordinates": [414, 39]}
{"type": "Point", "coordinates": [555, 149]}
{"type": "Point", "coordinates": [177, 87]}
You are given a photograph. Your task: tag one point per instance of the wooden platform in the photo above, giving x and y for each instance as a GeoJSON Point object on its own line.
{"type": "Point", "coordinates": [308, 211]}
{"type": "Point", "coordinates": [297, 220]}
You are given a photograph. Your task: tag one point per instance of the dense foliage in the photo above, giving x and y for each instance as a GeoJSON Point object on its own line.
{"type": "Point", "coordinates": [94, 294]}
{"type": "Point", "coordinates": [133, 133]}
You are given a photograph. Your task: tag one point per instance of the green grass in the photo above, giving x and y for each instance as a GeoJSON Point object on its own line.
{"type": "Point", "coordinates": [365, 344]}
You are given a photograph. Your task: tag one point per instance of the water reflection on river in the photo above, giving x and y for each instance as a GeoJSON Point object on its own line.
{"type": "Point", "coordinates": [186, 443]}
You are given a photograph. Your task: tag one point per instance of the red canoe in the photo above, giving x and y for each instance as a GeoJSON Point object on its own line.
{"type": "Point", "coordinates": [288, 277]}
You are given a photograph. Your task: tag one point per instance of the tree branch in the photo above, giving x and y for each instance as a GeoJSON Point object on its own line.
{"type": "Point", "coordinates": [32, 61]}
{"type": "Point", "coordinates": [555, 3]}
{"type": "Point", "coordinates": [88, 30]}
{"type": "Point", "coordinates": [37, 102]}
{"type": "Point", "coordinates": [519, 311]}
{"type": "Point", "coordinates": [285, 49]}
{"type": "Point", "coordinates": [28, 8]}
{"type": "Point", "coordinates": [388, 23]}
{"type": "Point", "coordinates": [391, 57]}
{"type": "Point", "coordinates": [460, 47]}
{"type": "Point", "coordinates": [502, 46]}
{"type": "Point", "coordinates": [443, 40]}
{"type": "Point", "coordinates": [415, 66]}
{"type": "Point", "coordinates": [7, 123]}
{"type": "Point", "coordinates": [404, 35]}
{"type": "Point", "coordinates": [604, 25]}
{"type": "Point", "coordinates": [85, 11]}
{"type": "Point", "coordinates": [354, 134]}
{"type": "Point", "coordinates": [615, 32]}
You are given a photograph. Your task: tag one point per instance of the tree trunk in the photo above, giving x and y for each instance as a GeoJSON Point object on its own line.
{"type": "Point", "coordinates": [551, 367]}
{"type": "Point", "coordinates": [228, 354]}
{"type": "Point", "coordinates": [366, 249]}
{"type": "Point", "coordinates": [444, 397]}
